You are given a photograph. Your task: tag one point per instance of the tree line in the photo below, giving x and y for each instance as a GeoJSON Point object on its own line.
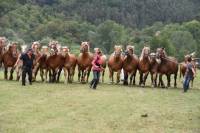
{"type": "Point", "coordinates": [171, 24]}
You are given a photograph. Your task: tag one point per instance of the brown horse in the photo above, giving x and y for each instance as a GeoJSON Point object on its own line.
{"type": "Point", "coordinates": [154, 69]}
{"type": "Point", "coordinates": [103, 64]}
{"type": "Point", "coordinates": [2, 48]}
{"type": "Point", "coordinates": [183, 67]}
{"type": "Point", "coordinates": [130, 65]}
{"type": "Point", "coordinates": [144, 65]}
{"type": "Point", "coordinates": [168, 66]}
{"type": "Point", "coordinates": [69, 65]}
{"type": "Point", "coordinates": [36, 50]}
{"type": "Point", "coordinates": [54, 64]}
{"type": "Point", "coordinates": [84, 62]}
{"type": "Point", "coordinates": [115, 63]}
{"type": "Point", "coordinates": [41, 63]}
{"type": "Point", "coordinates": [9, 59]}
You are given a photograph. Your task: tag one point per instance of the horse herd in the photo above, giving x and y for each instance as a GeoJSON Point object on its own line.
{"type": "Point", "coordinates": [52, 59]}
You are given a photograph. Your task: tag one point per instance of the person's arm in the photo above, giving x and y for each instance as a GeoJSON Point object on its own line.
{"type": "Point", "coordinates": [18, 59]}
{"type": "Point", "coordinates": [194, 72]}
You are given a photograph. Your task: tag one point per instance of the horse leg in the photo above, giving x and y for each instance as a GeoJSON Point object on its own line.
{"type": "Point", "coordinates": [118, 76]}
{"type": "Point", "coordinates": [88, 75]}
{"type": "Point", "coordinates": [54, 75]}
{"type": "Point", "coordinates": [141, 78]}
{"type": "Point", "coordinates": [154, 80]}
{"type": "Point", "coordinates": [82, 76]}
{"type": "Point", "coordinates": [41, 74]}
{"type": "Point", "coordinates": [168, 80]}
{"type": "Point", "coordinates": [134, 76]}
{"type": "Point", "coordinates": [161, 81]}
{"type": "Point", "coordinates": [145, 78]}
{"type": "Point", "coordinates": [46, 73]}
{"type": "Point", "coordinates": [70, 75]}
{"type": "Point", "coordinates": [49, 75]}
{"type": "Point", "coordinates": [65, 74]}
{"type": "Point", "coordinates": [35, 73]}
{"type": "Point", "coordinates": [125, 78]}
{"type": "Point", "coordinates": [175, 78]}
{"type": "Point", "coordinates": [79, 74]}
{"type": "Point", "coordinates": [58, 77]}
{"type": "Point", "coordinates": [111, 75]}
{"type": "Point", "coordinates": [11, 73]}
{"type": "Point", "coordinates": [17, 73]}
{"type": "Point", "coordinates": [6, 73]}
{"type": "Point", "coordinates": [103, 73]}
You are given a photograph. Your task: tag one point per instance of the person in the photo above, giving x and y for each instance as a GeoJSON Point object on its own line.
{"type": "Point", "coordinates": [189, 74]}
{"type": "Point", "coordinates": [96, 68]}
{"type": "Point", "coordinates": [27, 59]}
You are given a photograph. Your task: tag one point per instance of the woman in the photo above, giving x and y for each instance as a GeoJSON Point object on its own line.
{"type": "Point", "coordinates": [96, 68]}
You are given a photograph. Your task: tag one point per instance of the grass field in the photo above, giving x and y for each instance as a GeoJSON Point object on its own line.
{"type": "Point", "coordinates": [74, 108]}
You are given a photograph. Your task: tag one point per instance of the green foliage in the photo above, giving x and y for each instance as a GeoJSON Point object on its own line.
{"type": "Point", "coordinates": [105, 23]}
{"type": "Point", "coordinates": [109, 34]}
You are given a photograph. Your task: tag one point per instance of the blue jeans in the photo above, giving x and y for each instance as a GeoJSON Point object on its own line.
{"type": "Point", "coordinates": [95, 81]}
{"type": "Point", "coordinates": [186, 83]}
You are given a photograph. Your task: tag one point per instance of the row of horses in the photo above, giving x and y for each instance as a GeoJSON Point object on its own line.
{"type": "Point", "coordinates": [52, 59]}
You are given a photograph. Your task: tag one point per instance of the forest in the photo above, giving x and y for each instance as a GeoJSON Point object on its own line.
{"type": "Point", "coordinates": [172, 24]}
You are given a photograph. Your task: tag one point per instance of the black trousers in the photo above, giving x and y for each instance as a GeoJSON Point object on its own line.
{"type": "Point", "coordinates": [26, 70]}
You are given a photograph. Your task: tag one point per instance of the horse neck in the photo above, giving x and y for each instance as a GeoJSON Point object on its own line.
{"type": "Point", "coordinates": [117, 58]}
{"type": "Point", "coordinates": [85, 54]}
{"type": "Point", "coordinates": [67, 56]}
{"type": "Point", "coordinates": [129, 58]}
{"type": "Point", "coordinates": [145, 59]}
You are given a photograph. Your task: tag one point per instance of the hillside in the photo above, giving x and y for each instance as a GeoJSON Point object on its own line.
{"type": "Point", "coordinates": [104, 23]}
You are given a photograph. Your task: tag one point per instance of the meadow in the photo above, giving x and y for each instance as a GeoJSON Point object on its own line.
{"type": "Point", "coordinates": [75, 108]}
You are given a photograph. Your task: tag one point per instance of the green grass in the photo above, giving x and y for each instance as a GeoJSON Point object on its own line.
{"type": "Point", "coordinates": [75, 108]}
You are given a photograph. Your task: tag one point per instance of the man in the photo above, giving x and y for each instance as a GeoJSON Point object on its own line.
{"type": "Point", "coordinates": [27, 59]}
{"type": "Point", "coordinates": [189, 74]}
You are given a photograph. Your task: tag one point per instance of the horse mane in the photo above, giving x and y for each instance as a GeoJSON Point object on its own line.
{"type": "Point", "coordinates": [142, 54]}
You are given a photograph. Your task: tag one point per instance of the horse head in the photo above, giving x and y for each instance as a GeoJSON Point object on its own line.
{"type": "Point", "coordinates": [2, 44]}
{"type": "Point", "coordinates": [85, 47]}
{"type": "Point", "coordinates": [54, 45]}
{"type": "Point", "coordinates": [35, 46]}
{"type": "Point", "coordinates": [12, 49]}
{"type": "Point", "coordinates": [160, 53]}
{"type": "Point", "coordinates": [2, 41]}
{"type": "Point", "coordinates": [154, 58]}
{"type": "Point", "coordinates": [129, 50]}
{"type": "Point", "coordinates": [118, 50]}
{"type": "Point", "coordinates": [186, 57]}
{"type": "Point", "coordinates": [145, 53]}
{"type": "Point", "coordinates": [65, 51]}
